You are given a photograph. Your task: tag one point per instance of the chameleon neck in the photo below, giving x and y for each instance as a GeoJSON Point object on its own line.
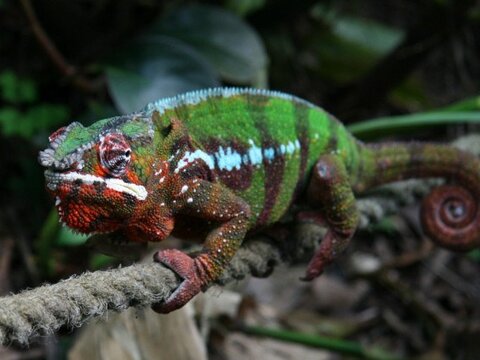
{"type": "Point", "coordinates": [450, 213]}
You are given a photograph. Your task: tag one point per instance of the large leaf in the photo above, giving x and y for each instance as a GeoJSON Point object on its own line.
{"type": "Point", "coordinates": [346, 47]}
{"type": "Point", "coordinates": [15, 89]}
{"type": "Point", "coordinates": [153, 68]}
{"type": "Point", "coordinates": [230, 44]}
{"type": "Point", "coordinates": [368, 33]}
{"type": "Point", "coordinates": [244, 7]}
{"type": "Point", "coordinates": [32, 121]}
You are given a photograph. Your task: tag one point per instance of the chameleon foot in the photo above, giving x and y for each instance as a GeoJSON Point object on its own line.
{"type": "Point", "coordinates": [331, 191]}
{"type": "Point", "coordinates": [185, 267]}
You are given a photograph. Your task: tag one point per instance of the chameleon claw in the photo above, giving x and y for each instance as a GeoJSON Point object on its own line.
{"type": "Point", "coordinates": [184, 266]}
{"type": "Point", "coordinates": [313, 271]}
{"type": "Point", "coordinates": [322, 257]}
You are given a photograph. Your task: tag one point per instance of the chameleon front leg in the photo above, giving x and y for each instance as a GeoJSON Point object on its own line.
{"type": "Point", "coordinates": [210, 202]}
{"type": "Point", "coordinates": [330, 190]}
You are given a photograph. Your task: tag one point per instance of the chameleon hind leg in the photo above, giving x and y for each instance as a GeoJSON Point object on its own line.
{"type": "Point", "coordinates": [331, 192]}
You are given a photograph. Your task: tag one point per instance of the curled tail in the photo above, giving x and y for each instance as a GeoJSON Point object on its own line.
{"type": "Point", "coordinates": [450, 213]}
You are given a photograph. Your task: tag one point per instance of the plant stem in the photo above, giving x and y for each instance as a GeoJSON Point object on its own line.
{"type": "Point", "coordinates": [338, 345]}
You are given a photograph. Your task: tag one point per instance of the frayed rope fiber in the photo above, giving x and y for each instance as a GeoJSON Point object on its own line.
{"type": "Point", "coordinates": [71, 302]}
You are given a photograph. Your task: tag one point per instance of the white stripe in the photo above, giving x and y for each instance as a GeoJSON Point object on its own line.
{"type": "Point", "coordinates": [119, 185]}
{"type": "Point", "coordinates": [191, 157]}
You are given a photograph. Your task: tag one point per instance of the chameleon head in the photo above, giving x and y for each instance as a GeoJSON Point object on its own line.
{"type": "Point", "coordinates": [98, 174]}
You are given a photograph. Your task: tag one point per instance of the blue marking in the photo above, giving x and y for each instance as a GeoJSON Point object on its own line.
{"type": "Point", "coordinates": [269, 153]}
{"type": "Point", "coordinates": [290, 148]}
{"type": "Point", "coordinates": [255, 153]}
{"type": "Point", "coordinates": [229, 159]}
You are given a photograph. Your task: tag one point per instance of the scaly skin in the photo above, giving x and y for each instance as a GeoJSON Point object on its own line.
{"type": "Point", "coordinates": [225, 162]}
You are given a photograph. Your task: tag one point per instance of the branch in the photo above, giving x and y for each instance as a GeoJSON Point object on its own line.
{"type": "Point", "coordinates": [67, 69]}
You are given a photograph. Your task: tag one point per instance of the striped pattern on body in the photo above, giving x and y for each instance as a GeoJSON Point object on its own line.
{"type": "Point", "coordinates": [261, 144]}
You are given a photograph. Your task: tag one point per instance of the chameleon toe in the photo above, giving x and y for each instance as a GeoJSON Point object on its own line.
{"type": "Point", "coordinates": [184, 266]}
{"type": "Point", "coordinates": [179, 262]}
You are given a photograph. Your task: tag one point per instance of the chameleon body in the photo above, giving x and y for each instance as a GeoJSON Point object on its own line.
{"type": "Point", "coordinates": [229, 161]}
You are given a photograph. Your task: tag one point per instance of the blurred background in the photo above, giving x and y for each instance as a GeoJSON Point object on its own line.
{"type": "Point", "coordinates": [412, 65]}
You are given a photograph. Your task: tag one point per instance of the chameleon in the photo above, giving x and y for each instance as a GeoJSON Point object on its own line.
{"type": "Point", "coordinates": [223, 163]}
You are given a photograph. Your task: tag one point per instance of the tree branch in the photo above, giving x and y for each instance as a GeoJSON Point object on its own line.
{"type": "Point", "coordinates": [67, 69]}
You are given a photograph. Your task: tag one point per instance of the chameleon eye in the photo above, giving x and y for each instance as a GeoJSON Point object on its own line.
{"type": "Point", "coordinates": [114, 154]}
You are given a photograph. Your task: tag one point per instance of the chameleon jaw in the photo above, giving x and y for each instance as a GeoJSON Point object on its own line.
{"type": "Point", "coordinates": [54, 179]}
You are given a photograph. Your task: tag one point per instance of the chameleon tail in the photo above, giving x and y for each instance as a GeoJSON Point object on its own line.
{"type": "Point", "coordinates": [450, 213]}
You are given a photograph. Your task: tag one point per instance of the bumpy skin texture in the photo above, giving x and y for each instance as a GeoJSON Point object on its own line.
{"type": "Point", "coordinates": [229, 161]}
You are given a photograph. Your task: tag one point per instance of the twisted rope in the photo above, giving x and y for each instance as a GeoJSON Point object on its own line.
{"type": "Point", "coordinates": [71, 302]}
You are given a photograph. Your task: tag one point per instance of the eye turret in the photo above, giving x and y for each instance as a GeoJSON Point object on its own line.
{"type": "Point", "coordinates": [115, 154]}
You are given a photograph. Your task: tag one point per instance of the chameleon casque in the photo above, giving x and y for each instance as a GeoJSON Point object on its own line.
{"type": "Point", "coordinates": [228, 161]}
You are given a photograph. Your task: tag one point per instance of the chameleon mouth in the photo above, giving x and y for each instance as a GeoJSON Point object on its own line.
{"type": "Point", "coordinates": [54, 179]}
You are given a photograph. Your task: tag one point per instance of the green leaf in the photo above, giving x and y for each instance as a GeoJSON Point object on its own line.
{"type": "Point", "coordinates": [153, 68]}
{"type": "Point", "coordinates": [244, 7]}
{"type": "Point", "coordinates": [369, 34]}
{"type": "Point", "coordinates": [406, 123]}
{"type": "Point", "coordinates": [15, 89]}
{"type": "Point", "coordinates": [470, 104]}
{"type": "Point", "coordinates": [461, 112]}
{"type": "Point", "coordinates": [9, 120]}
{"type": "Point", "coordinates": [339, 38]}
{"type": "Point", "coordinates": [44, 116]}
{"type": "Point", "coordinates": [229, 43]}
{"type": "Point", "coordinates": [333, 58]}
{"type": "Point", "coordinates": [30, 122]}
